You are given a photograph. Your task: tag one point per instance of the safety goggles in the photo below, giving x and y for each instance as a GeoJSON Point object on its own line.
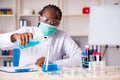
{"type": "Point", "coordinates": [53, 22]}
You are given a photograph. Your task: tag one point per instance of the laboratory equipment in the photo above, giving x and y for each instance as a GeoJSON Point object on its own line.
{"type": "Point", "coordinates": [50, 67]}
{"type": "Point", "coordinates": [84, 60]}
{"type": "Point", "coordinates": [30, 44]}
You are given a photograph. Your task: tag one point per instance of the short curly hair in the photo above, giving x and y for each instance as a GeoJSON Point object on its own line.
{"type": "Point", "coordinates": [55, 8]}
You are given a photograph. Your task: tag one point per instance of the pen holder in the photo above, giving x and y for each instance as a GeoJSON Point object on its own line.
{"type": "Point", "coordinates": [50, 67]}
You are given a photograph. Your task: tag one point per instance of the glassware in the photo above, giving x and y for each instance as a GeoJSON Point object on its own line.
{"type": "Point", "coordinates": [30, 44]}
{"type": "Point", "coordinates": [50, 67]}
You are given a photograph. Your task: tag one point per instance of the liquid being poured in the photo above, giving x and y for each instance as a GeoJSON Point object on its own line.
{"type": "Point", "coordinates": [30, 44]}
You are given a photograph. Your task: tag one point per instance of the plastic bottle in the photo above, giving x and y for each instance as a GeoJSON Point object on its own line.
{"type": "Point", "coordinates": [84, 60]}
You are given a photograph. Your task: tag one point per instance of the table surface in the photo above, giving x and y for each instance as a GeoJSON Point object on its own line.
{"type": "Point", "coordinates": [110, 73]}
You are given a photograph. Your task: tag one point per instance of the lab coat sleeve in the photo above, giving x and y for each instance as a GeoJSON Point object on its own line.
{"type": "Point", "coordinates": [5, 41]}
{"type": "Point", "coordinates": [72, 51]}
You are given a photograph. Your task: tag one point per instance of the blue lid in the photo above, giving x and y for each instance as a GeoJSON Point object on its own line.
{"type": "Point", "coordinates": [84, 53]}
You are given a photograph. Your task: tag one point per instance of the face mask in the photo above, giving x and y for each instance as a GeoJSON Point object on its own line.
{"type": "Point", "coordinates": [47, 30]}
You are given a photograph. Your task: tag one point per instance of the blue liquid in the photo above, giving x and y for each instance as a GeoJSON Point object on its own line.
{"type": "Point", "coordinates": [30, 44]}
{"type": "Point", "coordinates": [22, 70]}
{"type": "Point", "coordinates": [16, 56]}
{"type": "Point", "coordinates": [51, 67]}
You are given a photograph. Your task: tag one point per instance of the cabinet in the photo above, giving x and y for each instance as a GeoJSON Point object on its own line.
{"type": "Point", "coordinates": [7, 22]}
{"type": "Point", "coordinates": [6, 58]}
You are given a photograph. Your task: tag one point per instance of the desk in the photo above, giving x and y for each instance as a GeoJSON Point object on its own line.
{"type": "Point", "coordinates": [113, 73]}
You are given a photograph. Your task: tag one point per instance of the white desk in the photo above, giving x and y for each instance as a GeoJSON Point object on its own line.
{"type": "Point", "coordinates": [111, 74]}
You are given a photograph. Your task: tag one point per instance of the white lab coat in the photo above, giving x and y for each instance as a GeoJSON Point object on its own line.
{"type": "Point", "coordinates": [60, 42]}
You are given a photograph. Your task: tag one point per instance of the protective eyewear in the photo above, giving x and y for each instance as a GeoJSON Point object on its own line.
{"type": "Point", "coordinates": [53, 22]}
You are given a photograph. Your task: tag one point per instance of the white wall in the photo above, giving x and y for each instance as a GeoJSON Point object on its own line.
{"type": "Point", "coordinates": [112, 56]}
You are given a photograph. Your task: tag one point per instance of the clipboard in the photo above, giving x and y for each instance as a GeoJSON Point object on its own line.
{"type": "Point", "coordinates": [17, 69]}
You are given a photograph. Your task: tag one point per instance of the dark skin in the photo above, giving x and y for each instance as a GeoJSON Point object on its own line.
{"type": "Point", "coordinates": [24, 38]}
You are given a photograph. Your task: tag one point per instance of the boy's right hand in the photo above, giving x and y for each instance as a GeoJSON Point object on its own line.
{"type": "Point", "coordinates": [23, 38]}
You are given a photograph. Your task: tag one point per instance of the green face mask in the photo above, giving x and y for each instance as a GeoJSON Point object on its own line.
{"type": "Point", "coordinates": [47, 30]}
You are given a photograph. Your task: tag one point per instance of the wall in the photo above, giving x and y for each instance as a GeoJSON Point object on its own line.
{"type": "Point", "coordinates": [81, 41]}
{"type": "Point", "coordinates": [112, 56]}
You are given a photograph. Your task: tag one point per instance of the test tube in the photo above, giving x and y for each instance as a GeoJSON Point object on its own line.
{"type": "Point", "coordinates": [87, 50]}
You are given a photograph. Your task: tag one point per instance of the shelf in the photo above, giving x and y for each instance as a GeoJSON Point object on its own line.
{"type": "Point", "coordinates": [6, 56]}
{"type": "Point", "coordinates": [64, 15]}
{"type": "Point", "coordinates": [75, 15]}
{"type": "Point", "coordinates": [7, 15]}
{"type": "Point", "coordinates": [28, 15]}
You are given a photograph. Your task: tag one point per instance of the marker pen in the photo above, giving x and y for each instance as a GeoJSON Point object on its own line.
{"type": "Point", "coordinates": [97, 56]}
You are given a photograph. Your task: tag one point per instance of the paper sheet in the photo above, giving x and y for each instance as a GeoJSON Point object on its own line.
{"type": "Point", "coordinates": [17, 69]}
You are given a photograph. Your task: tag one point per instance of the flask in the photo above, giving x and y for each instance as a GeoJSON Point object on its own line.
{"type": "Point", "coordinates": [48, 66]}
{"type": "Point", "coordinates": [37, 39]}
{"type": "Point", "coordinates": [30, 44]}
